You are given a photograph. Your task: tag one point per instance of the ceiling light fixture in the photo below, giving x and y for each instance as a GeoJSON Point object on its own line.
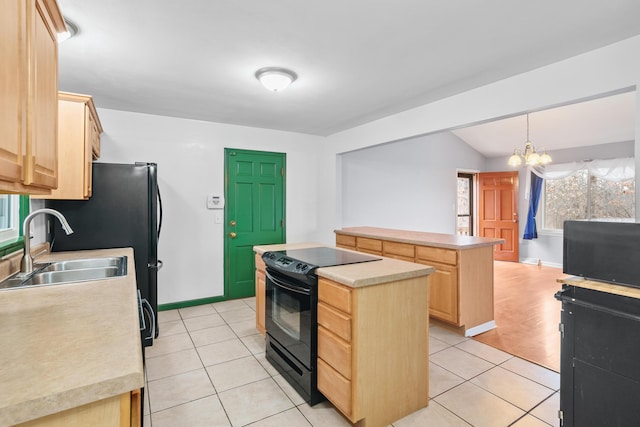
{"type": "Point", "coordinates": [72, 30]}
{"type": "Point", "coordinates": [529, 155]}
{"type": "Point", "coordinates": [275, 79]}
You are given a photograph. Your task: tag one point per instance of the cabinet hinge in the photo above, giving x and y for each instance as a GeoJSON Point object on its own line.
{"type": "Point", "coordinates": [561, 329]}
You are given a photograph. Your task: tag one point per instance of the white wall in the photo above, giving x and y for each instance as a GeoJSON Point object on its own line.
{"type": "Point", "coordinates": [594, 73]}
{"type": "Point", "coordinates": [409, 184]}
{"type": "Point", "coordinates": [190, 158]}
{"type": "Point", "coordinates": [548, 246]}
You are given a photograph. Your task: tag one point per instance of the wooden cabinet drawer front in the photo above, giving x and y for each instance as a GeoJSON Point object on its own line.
{"type": "Point", "coordinates": [447, 256]}
{"type": "Point", "coordinates": [335, 321]}
{"type": "Point", "coordinates": [335, 387]}
{"type": "Point", "coordinates": [335, 352]}
{"type": "Point", "coordinates": [400, 257]}
{"type": "Point", "coordinates": [259, 263]}
{"type": "Point", "coordinates": [400, 250]}
{"type": "Point", "coordinates": [335, 295]}
{"type": "Point", "coordinates": [369, 244]}
{"type": "Point", "coordinates": [347, 241]}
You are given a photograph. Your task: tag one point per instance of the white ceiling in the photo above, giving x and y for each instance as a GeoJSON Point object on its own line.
{"type": "Point", "coordinates": [357, 60]}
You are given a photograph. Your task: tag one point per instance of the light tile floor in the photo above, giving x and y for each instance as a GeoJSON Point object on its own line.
{"type": "Point", "coordinates": [208, 368]}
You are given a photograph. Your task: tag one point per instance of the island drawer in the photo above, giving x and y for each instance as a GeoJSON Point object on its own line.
{"type": "Point", "coordinates": [428, 253]}
{"type": "Point", "coordinates": [346, 241]}
{"type": "Point", "coordinates": [332, 384]}
{"type": "Point", "coordinates": [335, 295]}
{"type": "Point", "coordinates": [335, 321]}
{"type": "Point", "coordinates": [403, 251]}
{"type": "Point", "coordinates": [334, 351]}
{"type": "Point", "coordinates": [366, 244]}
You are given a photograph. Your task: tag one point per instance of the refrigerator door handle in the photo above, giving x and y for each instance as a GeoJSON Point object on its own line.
{"type": "Point", "coordinates": [152, 319]}
{"type": "Point", "coordinates": [160, 211]}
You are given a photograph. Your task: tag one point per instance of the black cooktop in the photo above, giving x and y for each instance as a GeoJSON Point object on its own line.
{"type": "Point", "coordinates": [326, 257]}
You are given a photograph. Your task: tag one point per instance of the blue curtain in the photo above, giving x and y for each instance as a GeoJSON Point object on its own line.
{"type": "Point", "coordinates": [531, 231]}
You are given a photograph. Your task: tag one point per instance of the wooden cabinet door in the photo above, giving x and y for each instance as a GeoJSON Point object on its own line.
{"type": "Point", "coordinates": [42, 124]}
{"type": "Point", "coordinates": [13, 94]}
{"type": "Point", "coordinates": [443, 292]}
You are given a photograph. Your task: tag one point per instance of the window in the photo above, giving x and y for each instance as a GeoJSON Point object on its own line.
{"type": "Point", "coordinates": [593, 190]}
{"type": "Point", "coordinates": [13, 210]}
{"type": "Point", "coordinates": [465, 204]}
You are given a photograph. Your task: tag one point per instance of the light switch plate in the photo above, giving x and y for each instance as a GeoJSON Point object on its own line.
{"type": "Point", "coordinates": [218, 217]}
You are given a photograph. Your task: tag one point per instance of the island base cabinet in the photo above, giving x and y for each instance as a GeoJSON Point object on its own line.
{"type": "Point", "coordinates": [117, 411]}
{"type": "Point", "coordinates": [373, 349]}
{"type": "Point", "coordinates": [261, 289]}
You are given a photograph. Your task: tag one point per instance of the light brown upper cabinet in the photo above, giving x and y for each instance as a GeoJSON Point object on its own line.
{"type": "Point", "coordinates": [29, 94]}
{"type": "Point", "coordinates": [79, 132]}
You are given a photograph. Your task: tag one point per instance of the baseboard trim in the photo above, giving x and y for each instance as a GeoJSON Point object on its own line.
{"type": "Point", "coordinates": [476, 330]}
{"type": "Point", "coordinates": [190, 303]}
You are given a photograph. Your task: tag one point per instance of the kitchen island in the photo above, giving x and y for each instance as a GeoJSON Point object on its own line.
{"type": "Point", "coordinates": [70, 354]}
{"type": "Point", "coordinates": [462, 285]}
{"type": "Point", "coordinates": [373, 333]}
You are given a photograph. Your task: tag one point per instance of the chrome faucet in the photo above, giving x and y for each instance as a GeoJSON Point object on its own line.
{"type": "Point", "coordinates": [26, 265]}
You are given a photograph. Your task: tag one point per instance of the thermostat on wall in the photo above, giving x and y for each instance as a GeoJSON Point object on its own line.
{"type": "Point", "coordinates": [215, 202]}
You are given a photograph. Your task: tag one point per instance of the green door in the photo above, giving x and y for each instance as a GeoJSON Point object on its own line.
{"type": "Point", "coordinates": [254, 213]}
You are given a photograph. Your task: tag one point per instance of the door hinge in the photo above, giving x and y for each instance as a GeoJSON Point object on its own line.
{"type": "Point", "coordinates": [561, 329]}
{"type": "Point", "coordinates": [282, 223]}
{"type": "Point", "coordinates": [282, 171]}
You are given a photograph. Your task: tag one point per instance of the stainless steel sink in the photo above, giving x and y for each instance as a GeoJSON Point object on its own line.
{"type": "Point", "coordinates": [70, 271]}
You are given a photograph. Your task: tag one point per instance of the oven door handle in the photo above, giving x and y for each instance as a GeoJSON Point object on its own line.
{"type": "Point", "coordinates": [288, 286]}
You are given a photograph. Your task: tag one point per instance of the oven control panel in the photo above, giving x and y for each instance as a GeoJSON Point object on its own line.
{"type": "Point", "coordinates": [282, 263]}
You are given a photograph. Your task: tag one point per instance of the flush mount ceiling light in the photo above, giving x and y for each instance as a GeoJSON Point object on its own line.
{"type": "Point", "coordinates": [529, 155]}
{"type": "Point", "coordinates": [72, 30]}
{"type": "Point", "coordinates": [275, 79]}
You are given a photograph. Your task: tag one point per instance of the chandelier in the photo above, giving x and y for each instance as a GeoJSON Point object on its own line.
{"type": "Point", "coordinates": [529, 155]}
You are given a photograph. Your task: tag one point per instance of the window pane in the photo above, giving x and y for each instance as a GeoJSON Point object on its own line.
{"type": "Point", "coordinates": [463, 225]}
{"type": "Point", "coordinates": [565, 199]}
{"type": "Point", "coordinates": [612, 199]}
{"type": "Point", "coordinates": [463, 196]}
{"type": "Point", "coordinates": [5, 212]}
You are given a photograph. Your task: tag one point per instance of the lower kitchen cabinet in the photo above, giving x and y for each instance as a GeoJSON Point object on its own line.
{"type": "Point", "coordinates": [117, 411]}
{"type": "Point", "coordinates": [260, 294]}
{"type": "Point", "coordinates": [373, 349]}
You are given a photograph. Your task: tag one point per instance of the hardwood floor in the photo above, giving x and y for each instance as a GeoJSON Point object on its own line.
{"type": "Point", "coordinates": [526, 313]}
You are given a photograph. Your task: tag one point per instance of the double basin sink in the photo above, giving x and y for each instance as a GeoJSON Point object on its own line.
{"type": "Point", "coordinates": [69, 271]}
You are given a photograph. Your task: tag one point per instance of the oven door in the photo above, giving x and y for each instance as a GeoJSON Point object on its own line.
{"type": "Point", "coordinates": [290, 308]}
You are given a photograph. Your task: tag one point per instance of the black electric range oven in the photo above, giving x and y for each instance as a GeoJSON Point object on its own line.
{"type": "Point", "coordinates": [291, 317]}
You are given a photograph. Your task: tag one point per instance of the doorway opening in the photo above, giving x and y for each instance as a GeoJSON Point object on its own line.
{"type": "Point", "coordinates": [465, 212]}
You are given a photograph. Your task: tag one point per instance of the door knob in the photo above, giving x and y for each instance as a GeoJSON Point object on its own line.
{"type": "Point", "coordinates": [232, 223]}
{"type": "Point", "coordinates": [232, 235]}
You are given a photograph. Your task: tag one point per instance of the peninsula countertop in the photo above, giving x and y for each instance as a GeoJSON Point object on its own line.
{"type": "Point", "coordinates": [439, 240]}
{"type": "Point", "coordinates": [361, 274]}
{"type": "Point", "coordinates": [63, 346]}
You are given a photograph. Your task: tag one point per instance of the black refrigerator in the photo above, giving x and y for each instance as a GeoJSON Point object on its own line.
{"type": "Point", "coordinates": [124, 210]}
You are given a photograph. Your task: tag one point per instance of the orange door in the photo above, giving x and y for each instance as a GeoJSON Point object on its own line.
{"type": "Point", "coordinates": [498, 213]}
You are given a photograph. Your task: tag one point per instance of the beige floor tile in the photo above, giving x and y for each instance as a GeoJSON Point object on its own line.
{"type": "Point", "coordinates": [171, 327]}
{"type": "Point", "coordinates": [441, 380]}
{"type": "Point", "coordinates": [222, 352]}
{"type": "Point", "coordinates": [460, 362]}
{"type": "Point", "coordinates": [197, 310]}
{"type": "Point", "coordinates": [203, 322]}
{"type": "Point", "coordinates": [288, 390]}
{"type": "Point", "coordinates": [544, 376]}
{"type": "Point", "coordinates": [513, 388]}
{"type": "Point", "coordinates": [261, 357]}
{"type": "Point", "coordinates": [254, 402]}
{"type": "Point", "coordinates": [206, 412]}
{"type": "Point", "coordinates": [236, 373]}
{"type": "Point", "coordinates": [169, 344]}
{"type": "Point", "coordinates": [213, 335]}
{"type": "Point", "coordinates": [255, 343]}
{"type": "Point", "coordinates": [446, 335]}
{"type": "Point", "coordinates": [178, 389]}
{"type": "Point", "coordinates": [547, 411]}
{"type": "Point", "coordinates": [239, 315]}
{"type": "Point", "coordinates": [251, 302]}
{"type": "Point", "coordinates": [436, 345]}
{"type": "Point", "coordinates": [168, 315]}
{"type": "Point", "coordinates": [432, 415]}
{"type": "Point", "coordinates": [244, 328]}
{"type": "Point", "coordinates": [484, 351]}
{"type": "Point", "coordinates": [146, 420]}
{"type": "Point", "coordinates": [288, 418]}
{"type": "Point", "coordinates": [172, 364]}
{"type": "Point", "coordinates": [146, 410]}
{"type": "Point", "coordinates": [530, 421]}
{"type": "Point", "coordinates": [233, 304]}
{"type": "Point", "coordinates": [478, 407]}
{"type": "Point", "coordinates": [323, 415]}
